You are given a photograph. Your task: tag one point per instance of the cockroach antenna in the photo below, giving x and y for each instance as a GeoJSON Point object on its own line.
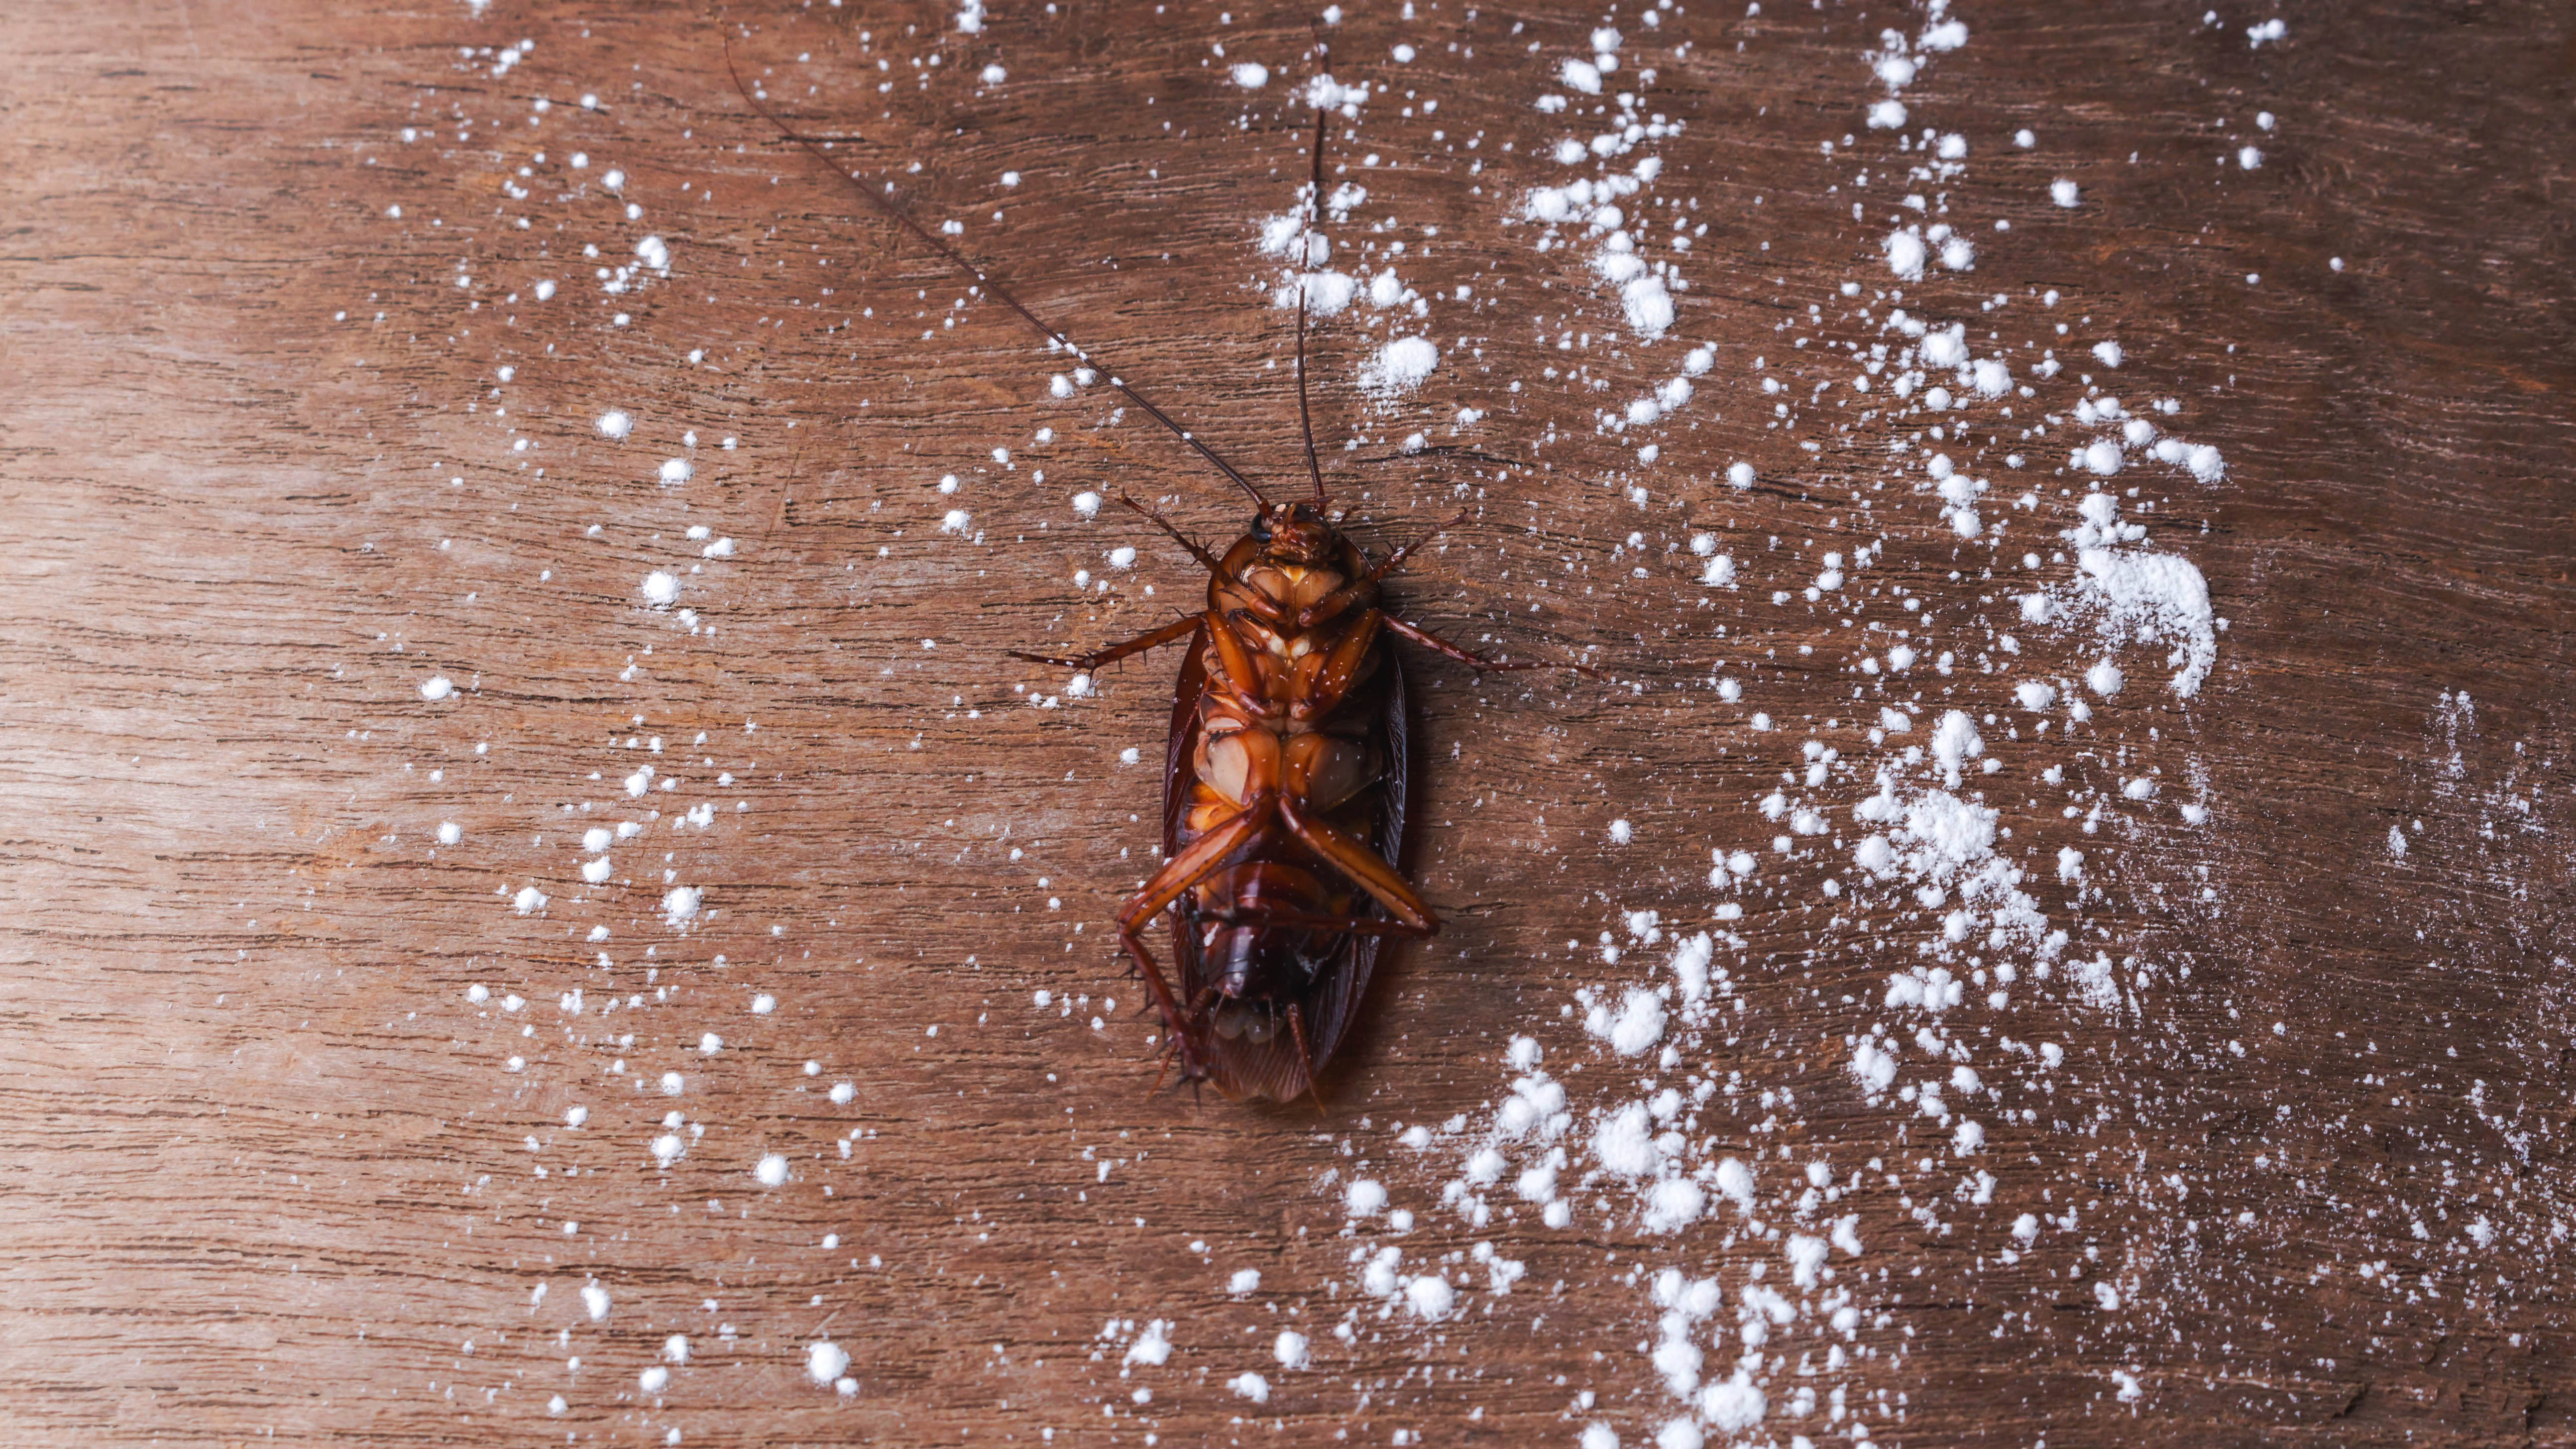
{"type": "Point", "coordinates": [876, 198]}
{"type": "Point", "coordinates": [1305, 257]}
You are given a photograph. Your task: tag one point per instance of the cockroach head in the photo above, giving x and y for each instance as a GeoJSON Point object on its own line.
{"type": "Point", "coordinates": [1295, 533]}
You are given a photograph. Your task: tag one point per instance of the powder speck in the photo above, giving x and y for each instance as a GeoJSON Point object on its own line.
{"type": "Point", "coordinates": [437, 687]}
{"type": "Point", "coordinates": [772, 1171]}
{"type": "Point", "coordinates": [661, 590]}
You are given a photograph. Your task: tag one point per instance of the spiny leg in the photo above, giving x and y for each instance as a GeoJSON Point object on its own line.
{"type": "Point", "coordinates": [1305, 1053]}
{"type": "Point", "coordinates": [1174, 1026]}
{"type": "Point", "coordinates": [1317, 921]}
{"type": "Point", "coordinates": [1365, 586]}
{"type": "Point", "coordinates": [1150, 639]}
{"type": "Point", "coordinates": [1192, 864]}
{"type": "Point", "coordinates": [1438, 645]}
{"type": "Point", "coordinates": [1207, 560]}
{"type": "Point", "coordinates": [1362, 865]}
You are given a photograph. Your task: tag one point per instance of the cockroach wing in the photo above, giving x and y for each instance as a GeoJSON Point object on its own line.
{"type": "Point", "coordinates": [1180, 773]}
{"type": "Point", "coordinates": [1336, 1001]}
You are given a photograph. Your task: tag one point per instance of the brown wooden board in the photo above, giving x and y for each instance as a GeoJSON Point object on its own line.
{"type": "Point", "coordinates": [271, 1175]}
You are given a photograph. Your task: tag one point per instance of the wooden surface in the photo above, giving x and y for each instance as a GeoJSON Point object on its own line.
{"type": "Point", "coordinates": [268, 1171]}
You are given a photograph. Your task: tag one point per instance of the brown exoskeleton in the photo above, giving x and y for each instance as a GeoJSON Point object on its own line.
{"type": "Point", "coordinates": [1286, 771]}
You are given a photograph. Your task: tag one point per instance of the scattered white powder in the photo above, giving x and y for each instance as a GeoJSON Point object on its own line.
{"type": "Point", "coordinates": [824, 1361]}
{"type": "Point", "coordinates": [594, 1301]}
{"type": "Point", "coordinates": [680, 904]}
{"type": "Point", "coordinates": [661, 590]}
{"type": "Point", "coordinates": [1366, 1197]}
{"type": "Point", "coordinates": [436, 687]}
{"type": "Point", "coordinates": [772, 1171]}
{"type": "Point", "coordinates": [1245, 1280]}
{"type": "Point", "coordinates": [1290, 1349]}
{"type": "Point", "coordinates": [676, 471]}
{"type": "Point", "coordinates": [653, 1380]}
{"type": "Point", "coordinates": [2063, 192]}
{"type": "Point", "coordinates": [1249, 1385]}
{"type": "Point", "coordinates": [1251, 75]}
{"type": "Point", "coordinates": [449, 832]}
{"type": "Point", "coordinates": [614, 423]}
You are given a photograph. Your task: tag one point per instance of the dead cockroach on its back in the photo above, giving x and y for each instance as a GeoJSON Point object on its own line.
{"type": "Point", "coordinates": [1286, 772]}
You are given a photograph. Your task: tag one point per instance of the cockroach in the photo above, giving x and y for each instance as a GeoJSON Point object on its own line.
{"type": "Point", "coordinates": [1286, 776]}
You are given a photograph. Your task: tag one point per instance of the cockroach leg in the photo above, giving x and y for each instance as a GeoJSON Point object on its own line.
{"type": "Point", "coordinates": [1395, 560]}
{"type": "Point", "coordinates": [1207, 560]}
{"type": "Point", "coordinates": [1342, 669]}
{"type": "Point", "coordinates": [1172, 632]}
{"type": "Point", "coordinates": [1316, 921]}
{"type": "Point", "coordinates": [1334, 604]}
{"type": "Point", "coordinates": [1173, 1024]}
{"type": "Point", "coordinates": [1305, 1055]}
{"type": "Point", "coordinates": [1195, 862]}
{"type": "Point", "coordinates": [1354, 859]}
{"type": "Point", "coordinates": [1438, 645]}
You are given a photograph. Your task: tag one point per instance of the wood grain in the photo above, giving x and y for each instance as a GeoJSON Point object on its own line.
{"type": "Point", "coordinates": [267, 1173]}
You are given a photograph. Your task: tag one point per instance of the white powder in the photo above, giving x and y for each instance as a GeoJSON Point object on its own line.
{"type": "Point", "coordinates": [1153, 1347]}
{"type": "Point", "coordinates": [1366, 1197]}
{"type": "Point", "coordinates": [824, 1361]}
{"type": "Point", "coordinates": [614, 423]}
{"type": "Point", "coordinates": [1245, 1280]}
{"type": "Point", "coordinates": [1249, 1385]}
{"type": "Point", "coordinates": [436, 688]}
{"type": "Point", "coordinates": [2063, 192]}
{"type": "Point", "coordinates": [1251, 75]}
{"type": "Point", "coordinates": [449, 832]}
{"type": "Point", "coordinates": [661, 590]}
{"type": "Point", "coordinates": [1290, 1349]}
{"type": "Point", "coordinates": [1905, 254]}
{"type": "Point", "coordinates": [594, 1301]}
{"type": "Point", "coordinates": [1400, 366]}
{"type": "Point", "coordinates": [772, 1170]}
{"type": "Point", "coordinates": [680, 904]}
